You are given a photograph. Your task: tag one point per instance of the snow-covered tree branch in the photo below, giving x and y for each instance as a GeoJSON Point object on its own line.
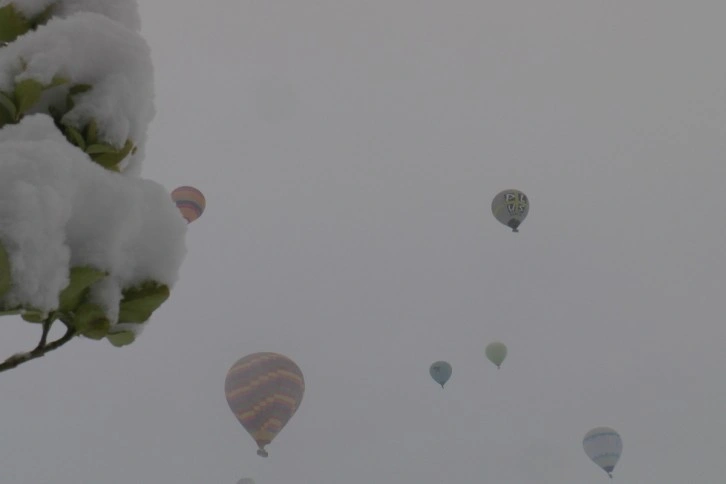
{"type": "Point", "coordinates": [83, 239]}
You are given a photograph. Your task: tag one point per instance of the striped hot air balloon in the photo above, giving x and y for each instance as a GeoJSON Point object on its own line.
{"type": "Point", "coordinates": [189, 201]}
{"type": "Point", "coordinates": [263, 391]}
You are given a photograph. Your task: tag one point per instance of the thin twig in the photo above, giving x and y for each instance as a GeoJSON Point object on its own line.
{"type": "Point", "coordinates": [46, 329]}
{"type": "Point", "coordinates": [39, 350]}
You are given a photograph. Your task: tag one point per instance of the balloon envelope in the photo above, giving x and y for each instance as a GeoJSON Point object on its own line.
{"type": "Point", "coordinates": [603, 446]}
{"type": "Point", "coordinates": [264, 390]}
{"type": "Point", "coordinates": [189, 201]}
{"type": "Point", "coordinates": [496, 352]}
{"type": "Point", "coordinates": [510, 207]}
{"type": "Point", "coordinates": [441, 372]}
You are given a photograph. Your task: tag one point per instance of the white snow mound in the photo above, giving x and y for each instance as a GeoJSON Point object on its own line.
{"type": "Point", "coordinates": [59, 209]}
{"type": "Point", "coordinates": [89, 49]}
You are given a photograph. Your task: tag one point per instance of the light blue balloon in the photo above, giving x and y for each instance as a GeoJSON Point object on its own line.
{"type": "Point", "coordinates": [441, 372]}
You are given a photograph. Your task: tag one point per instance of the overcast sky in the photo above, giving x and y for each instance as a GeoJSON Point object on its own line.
{"type": "Point", "coordinates": [349, 152]}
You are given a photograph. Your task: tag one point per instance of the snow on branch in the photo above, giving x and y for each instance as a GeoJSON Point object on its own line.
{"type": "Point", "coordinates": [93, 75]}
{"type": "Point", "coordinates": [83, 239]}
{"type": "Point", "coordinates": [60, 211]}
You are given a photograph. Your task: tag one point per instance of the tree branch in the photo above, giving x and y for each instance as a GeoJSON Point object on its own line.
{"type": "Point", "coordinates": [39, 350]}
{"type": "Point", "coordinates": [46, 329]}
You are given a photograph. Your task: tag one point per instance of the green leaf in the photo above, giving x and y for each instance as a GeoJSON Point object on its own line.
{"type": "Point", "coordinates": [5, 118]}
{"type": "Point", "coordinates": [34, 315]}
{"type": "Point", "coordinates": [79, 89]}
{"type": "Point", "coordinates": [9, 105]}
{"type": "Point", "coordinates": [138, 303]}
{"type": "Point", "coordinates": [55, 113]}
{"type": "Point", "coordinates": [5, 274]}
{"type": "Point", "coordinates": [111, 159]}
{"type": "Point", "coordinates": [128, 148]}
{"type": "Point", "coordinates": [90, 320]}
{"type": "Point", "coordinates": [57, 81]}
{"type": "Point", "coordinates": [43, 16]}
{"type": "Point", "coordinates": [74, 90]}
{"type": "Point", "coordinates": [92, 132]}
{"type": "Point", "coordinates": [100, 148]}
{"type": "Point", "coordinates": [27, 93]}
{"type": "Point", "coordinates": [12, 24]}
{"type": "Point", "coordinates": [108, 159]}
{"type": "Point", "coordinates": [74, 137]}
{"type": "Point", "coordinates": [69, 102]}
{"type": "Point", "coordinates": [121, 338]}
{"type": "Point", "coordinates": [81, 278]}
{"type": "Point", "coordinates": [11, 312]}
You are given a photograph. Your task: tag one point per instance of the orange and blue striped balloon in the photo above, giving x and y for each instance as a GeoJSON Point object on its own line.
{"type": "Point", "coordinates": [189, 201]}
{"type": "Point", "coordinates": [264, 390]}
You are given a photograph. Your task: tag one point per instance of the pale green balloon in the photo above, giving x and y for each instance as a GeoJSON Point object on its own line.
{"type": "Point", "coordinates": [496, 352]}
{"type": "Point", "coordinates": [441, 372]}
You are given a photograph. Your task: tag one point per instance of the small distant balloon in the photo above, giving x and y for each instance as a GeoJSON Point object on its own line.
{"type": "Point", "coordinates": [510, 207]}
{"type": "Point", "coordinates": [264, 390]}
{"type": "Point", "coordinates": [496, 352]}
{"type": "Point", "coordinates": [441, 372]}
{"type": "Point", "coordinates": [189, 201]}
{"type": "Point", "coordinates": [603, 446]}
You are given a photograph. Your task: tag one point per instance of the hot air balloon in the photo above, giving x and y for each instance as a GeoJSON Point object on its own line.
{"type": "Point", "coordinates": [496, 352]}
{"type": "Point", "coordinates": [510, 207]}
{"type": "Point", "coordinates": [603, 446]}
{"type": "Point", "coordinates": [189, 201]}
{"type": "Point", "coordinates": [263, 391]}
{"type": "Point", "coordinates": [441, 372]}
